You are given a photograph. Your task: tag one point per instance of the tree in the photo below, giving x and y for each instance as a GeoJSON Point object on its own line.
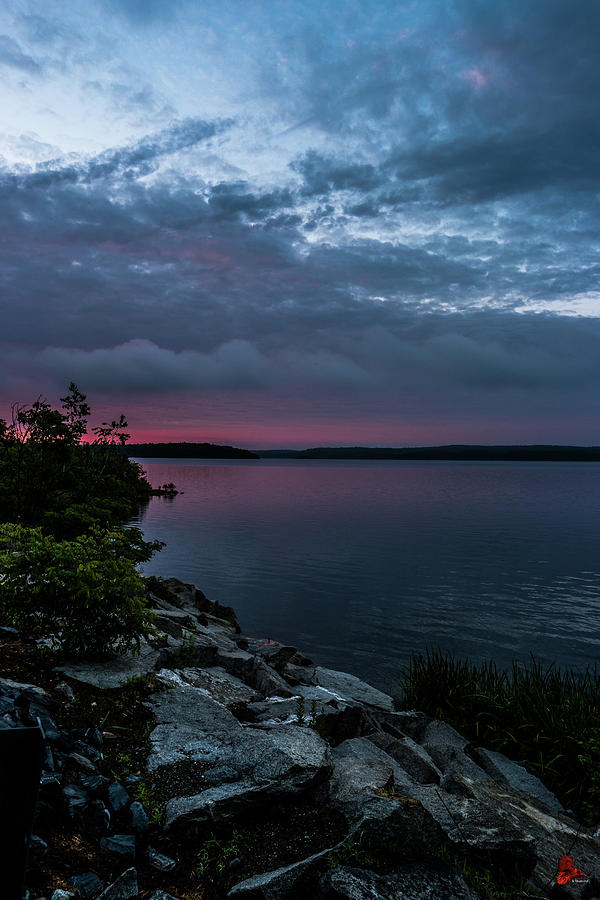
{"type": "Point", "coordinates": [50, 476]}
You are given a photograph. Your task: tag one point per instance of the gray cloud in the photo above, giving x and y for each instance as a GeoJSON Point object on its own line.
{"type": "Point", "coordinates": [458, 185]}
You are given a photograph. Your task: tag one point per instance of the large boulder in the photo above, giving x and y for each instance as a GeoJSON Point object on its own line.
{"type": "Point", "coordinates": [113, 673]}
{"type": "Point", "coordinates": [253, 769]}
{"type": "Point", "coordinates": [242, 766]}
{"type": "Point", "coordinates": [413, 882]}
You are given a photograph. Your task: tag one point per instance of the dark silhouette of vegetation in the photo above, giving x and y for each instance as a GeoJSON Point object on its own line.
{"type": "Point", "coordinates": [509, 453]}
{"type": "Point", "coordinates": [49, 475]}
{"type": "Point", "coordinates": [68, 569]}
{"type": "Point", "coordinates": [186, 450]}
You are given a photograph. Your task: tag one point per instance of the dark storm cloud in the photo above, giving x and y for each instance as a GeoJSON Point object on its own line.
{"type": "Point", "coordinates": [458, 187]}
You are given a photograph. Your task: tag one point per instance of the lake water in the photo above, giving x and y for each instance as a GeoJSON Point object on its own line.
{"type": "Point", "coordinates": [361, 563]}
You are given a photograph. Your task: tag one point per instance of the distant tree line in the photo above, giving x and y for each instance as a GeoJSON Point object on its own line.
{"type": "Point", "coordinates": [187, 450]}
{"type": "Point", "coordinates": [515, 453]}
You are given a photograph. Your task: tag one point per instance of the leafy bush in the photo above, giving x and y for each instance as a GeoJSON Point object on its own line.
{"type": "Point", "coordinates": [85, 593]}
{"type": "Point", "coordinates": [547, 717]}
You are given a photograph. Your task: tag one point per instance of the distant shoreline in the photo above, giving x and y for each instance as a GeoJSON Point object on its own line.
{"type": "Point", "coordinates": [516, 453]}
{"type": "Point", "coordinates": [458, 452]}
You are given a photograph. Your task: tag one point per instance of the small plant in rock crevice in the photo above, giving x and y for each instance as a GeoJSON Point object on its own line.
{"type": "Point", "coordinates": [216, 854]}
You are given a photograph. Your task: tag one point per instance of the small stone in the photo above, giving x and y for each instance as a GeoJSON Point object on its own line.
{"type": "Point", "coordinates": [123, 844]}
{"type": "Point", "coordinates": [94, 737]}
{"type": "Point", "coordinates": [88, 885]}
{"type": "Point", "coordinates": [65, 691]}
{"type": "Point", "coordinates": [77, 800]}
{"type": "Point", "coordinates": [161, 895]}
{"type": "Point", "coordinates": [124, 888]}
{"type": "Point", "coordinates": [59, 894]}
{"type": "Point", "coordinates": [160, 861]}
{"type": "Point", "coordinates": [97, 819]}
{"type": "Point", "coordinates": [37, 844]}
{"type": "Point", "coordinates": [93, 783]}
{"type": "Point", "coordinates": [82, 763]}
{"type": "Point", "coordinates": [133, 779]}
{"type": "Point", "coordinates": [87, 750]}
{"type": "Point", "coordinates": [139, 818]}
{"type": "Point", "coordinates": [234, 864]}
{"type": "Point", "coordinates": [117, 796]}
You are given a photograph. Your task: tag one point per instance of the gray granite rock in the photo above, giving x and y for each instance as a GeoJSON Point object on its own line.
{"type": "Point", "coordinates": [190, 725]}
{"type": "Point", "coordinates": [278, 884]}
{"type": "Point", "coordinates": [162, 895]}
{"type": "Point", "coordinates": [93, 783]}
{"type": "Point", "coordinates": [160, 861]}
{"type": "Point", "coordinates": [124, 888]}
{"type": "Point", "coordinates": [123, 844]}
{"type": "Point", "coordinates": [81, 763]}
{"type": "Point", "coordinates": [447, 748]}
{"type": "Point", "coordinates": [257, 767]}
{"type": "Point", "coordinates": [510, 774]}
{"type": "Point", "coordinates": [221, 685]}
{"type": "Point", "coordinates": [88, 885]}
{"type": "Point", "coordinates": [59, 894]}
{"type": "Point", "coordinates": [412, 882]}
{"type": "Point", "coordinates": [366, 782]}
{"type": "Point", "coordinates": [413, 758]}
{"type": "Point", "coordinates": [118, 798]}
{"type": "Point", "coordinates": [343, 686]}
{"type": "Point", "coordinates": [65, 691]}
{"type": "Point", "coordinates": [114, 672]}
{"type": "Point", "coordinates": [139, 817]}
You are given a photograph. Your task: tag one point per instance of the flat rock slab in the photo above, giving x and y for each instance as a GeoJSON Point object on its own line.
{"type": "Point", "coordinates": [413, 758]}
{"type": "Point", "coordinates": [190, 725]}
{"type": "Point", "coordinates": [255, 767]}
{"type": "Point", "coordinates": [509, 773]}
{"type": "Point", "coordinates": [550, 835]}
{"type": "Point", "coordinates": [276, 885]}
{"type": "Point", "coordinates": [366, 783]}
{"type": "Point", "coordinates": [414, 882]}
{"type": "Point", "coordinates": [220, 685]}
{"type": "Point", "coordinates": [242, 765]}
{"type": "Point", "coordinates": [113, 673]}
{"type": "Point", "coordinates": [345, 687]}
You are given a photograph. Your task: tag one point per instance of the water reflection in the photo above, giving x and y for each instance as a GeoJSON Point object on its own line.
{"type": "Point", "coordinates": [360, 563]}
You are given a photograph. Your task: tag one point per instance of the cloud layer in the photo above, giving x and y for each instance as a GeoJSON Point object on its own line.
{"type": "Point", "coordinates": [390, 209]}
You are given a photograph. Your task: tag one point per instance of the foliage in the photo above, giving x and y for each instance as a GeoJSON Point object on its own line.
{"type": "Point", "coordinates": [85, 593]}
{"type": "Point", "coordinates": [216, 854]}
{"type": "Point", "coordinates": [50, 477]}
{"type": "Point", "coordinates": [546, 717]}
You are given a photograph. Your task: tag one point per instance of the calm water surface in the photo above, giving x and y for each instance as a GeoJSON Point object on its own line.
{"type": "Point", "coordinates": [361, 563]}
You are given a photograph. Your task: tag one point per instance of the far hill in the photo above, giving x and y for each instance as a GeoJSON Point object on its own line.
{"type": "Point", "coordinates": [527, 452]}
{"type": "Point", "coordinates": [187, 451]}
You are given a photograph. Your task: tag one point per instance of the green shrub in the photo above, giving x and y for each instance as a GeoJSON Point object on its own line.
{"type": "Point", "coordinates": [86, 593]}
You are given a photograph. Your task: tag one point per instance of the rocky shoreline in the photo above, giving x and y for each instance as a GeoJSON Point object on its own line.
{"type": "Point", "coordinates": [254, 773]}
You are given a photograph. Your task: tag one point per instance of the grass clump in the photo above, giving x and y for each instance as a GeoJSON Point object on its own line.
{"type": "Point", "coordinates": [545, 716]}
{"type": "Point", "coordinates": [216, 854]}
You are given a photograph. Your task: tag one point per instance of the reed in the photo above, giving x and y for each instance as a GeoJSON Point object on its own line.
{"type": "Point", "coordinates": [547, 717]}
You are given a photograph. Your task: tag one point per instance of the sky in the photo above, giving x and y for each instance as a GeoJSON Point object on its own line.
{"type": "Point", "coordinates": [276, 223]}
